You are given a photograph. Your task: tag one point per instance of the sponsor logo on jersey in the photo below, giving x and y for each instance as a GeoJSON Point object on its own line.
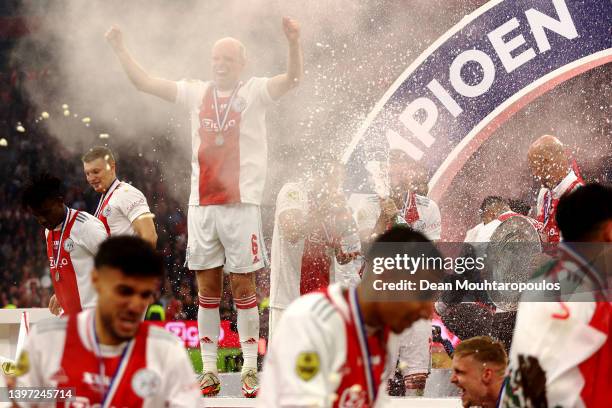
{"type": "Point", "coordinates": [307, 365]}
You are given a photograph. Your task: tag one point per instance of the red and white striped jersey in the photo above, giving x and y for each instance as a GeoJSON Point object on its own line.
{"type": "Point", "coordinates": [322, 355]}
{"type": "Point", "coordinates": [229, 152]}
{"type": "Point", "coordinates": [120, 206]}
{"type": "Point", "coordinates": [71, 248]}
{"type": "Point", "coordinates": [151, 370]}
{"type": "Point", "coordinates": [546, 205]}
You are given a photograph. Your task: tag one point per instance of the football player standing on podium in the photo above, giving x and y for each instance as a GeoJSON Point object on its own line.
{"type": "Point", "coordinates": [122, 208]}
{"type": "Point", "coordinates": [72, 237]}
{"type": "Point", "coordinates": [228, 175]}
{"type": "Point", "coordinates": [107, 356]}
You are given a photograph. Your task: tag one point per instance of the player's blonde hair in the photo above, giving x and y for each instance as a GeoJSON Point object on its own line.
{"type": "Point", "coordinates": [98, 152]}
{"type": "Point", "coordinates": [483, 349]}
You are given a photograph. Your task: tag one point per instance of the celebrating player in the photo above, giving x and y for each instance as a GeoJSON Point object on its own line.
{"type": "Point", "coordinates": [122, 208]}
{"type": "Point", "coordinates": [311, 223]}
{"type": "Point", "coordinates": [337, 347]}
{"type": "Point", "coordinates": [550, 164]}
{"type": "Point", "coordinates": [228, 176]}
{"type": "Point", "coordinates": [73, 238]}
{"type": "Point", "coordinates": [107, 355]}
{"type": "Point", "coordinates": [479, 366]}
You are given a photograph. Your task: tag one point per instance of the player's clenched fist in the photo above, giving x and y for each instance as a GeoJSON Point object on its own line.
{"type": "Point", "coordinates": [114, 36]}
{"type": "Point", "coordinates": [291, 28]}
{"type": "Point", "coordinates": [54, 306]}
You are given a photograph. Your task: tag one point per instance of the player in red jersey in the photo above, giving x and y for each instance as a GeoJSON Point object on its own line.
{"type": "Point", "coordinates": [107, 355]}
{"type": "Point", "coordinates": [337, 348]}
{"type": "Point", "coordinates": [550, 164]}
{"type": "Point", "coordinates": [229, 165]}
{"type": "Point", "coordinates": [72, 238]}
{"type": "Point", "coordinates": [578, 320]}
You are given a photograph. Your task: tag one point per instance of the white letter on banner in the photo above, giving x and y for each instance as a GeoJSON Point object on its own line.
{"type": "Point", "coordinates": [420, 130]}
{"type": "Point", "coordinates": [443, 96]}
{"type": "Point", "coordinates": [564, 26]}
{"type": "Point", "coordinates": [504, 49]}
{"type": "Point", "coordinates": [488, 76]}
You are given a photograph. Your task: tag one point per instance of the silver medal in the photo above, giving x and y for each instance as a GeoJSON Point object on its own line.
{"type": "Point", "coordinates": [219, 140]}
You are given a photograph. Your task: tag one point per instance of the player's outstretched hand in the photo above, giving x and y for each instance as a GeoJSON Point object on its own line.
{"type": "Point", "coordinates": [114, 36]}
{"type": "Point", "coordinates": [54, 306]}
{"type": "Point", "coordinates": [291, 28]}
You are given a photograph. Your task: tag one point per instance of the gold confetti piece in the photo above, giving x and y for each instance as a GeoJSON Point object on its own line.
{"type": "Point", "coordinates": [45, 115]}
{"type": "Point", "coordinates": [3, 142]}
{"type": "Point", "coordinates": [86, 119]}
{"type": "Point", "coordinates": [65, 107]}
{"type": "Point", "coordinates": [104, 135]}
{"type": "Point", "coordinates": [20, 128]}
{"type": "Point", "coordinates": [66, 112]}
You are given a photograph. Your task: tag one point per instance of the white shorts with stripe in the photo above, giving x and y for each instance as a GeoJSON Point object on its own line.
{"type": "Point", "coordinates": [225, 235]}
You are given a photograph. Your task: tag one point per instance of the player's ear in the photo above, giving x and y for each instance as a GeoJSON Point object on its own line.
{"type": "Point", "coordinates": [95, 279]}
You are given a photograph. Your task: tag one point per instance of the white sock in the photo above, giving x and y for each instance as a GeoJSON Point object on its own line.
{"type": "Point", "coordinates": [209, 322]}
{"type": "Point", "coordinates": [248, 330]}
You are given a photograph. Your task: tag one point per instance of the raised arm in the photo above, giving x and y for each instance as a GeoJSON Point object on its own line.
{"type": "Point", "coordinates": [281, 84]}
{"type": "Point", "coordinates": [144, 82]}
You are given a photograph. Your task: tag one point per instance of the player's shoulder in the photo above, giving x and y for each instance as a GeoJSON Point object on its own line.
{"type": "Point", "coordinates": [314, 307]}
{"type": "Point", "coordinates": [162, 336]}
{"type": "Point", "coordinates": [127, 190]}
{"type": "Point", "coordinates": [424, 201]}
{"type": "Point", "coordinates": [85, 221]}
{"type": "Point", "coordinates": [49, 326]}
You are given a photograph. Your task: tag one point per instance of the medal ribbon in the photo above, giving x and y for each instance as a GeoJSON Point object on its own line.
{"type": "Point", "coordinates": [108, 393]}
{"type": "Point", "coordinates": [106, 197]}
{"type": "Point", "coordinates": [221, 125]}
{"type": "Point", "coordinates": [60, 243]}
{"type": "Point", "coordinates": [363, 343]}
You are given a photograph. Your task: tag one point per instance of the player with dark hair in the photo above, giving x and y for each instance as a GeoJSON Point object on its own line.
{"type": "Point", "coordinates": [122, 208]}
{"type": "Point", "coordinates": [337, 347]}
{"type": "Point", "coordinates": [72, 238]}
{"type": "Point", "coordinates": [578, 320]}
{"type": "Point", "coordinates": [108, 356]}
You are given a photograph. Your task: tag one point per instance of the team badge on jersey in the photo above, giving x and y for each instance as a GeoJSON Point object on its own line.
{"type": "Point", "coordinates": [145, 383]}
{"type": "Point", "coordinates": [307, 365]}
{"type": "Point", "coordinates": [239, 104]}
{"type": "Point", "coordinates": [107, 211]}
{"type": "Point", "coordinates": [68, 245]}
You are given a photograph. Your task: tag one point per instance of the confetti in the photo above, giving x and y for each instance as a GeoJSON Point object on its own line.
{"type": "Point", "coordinates": [104, 135]}
{"type": "Point", "coordinates": [65, 107]}
{"type": "Point", "coordinates": [86, 119]}
{"type": "Point", "coordinates": [3, 142]}
{"type": "Point", "coordinates": [66, 112]}
{"type": "Point", "coordinates": [20, 128]}
{"type": "Point", "coordinates": [45, 115]}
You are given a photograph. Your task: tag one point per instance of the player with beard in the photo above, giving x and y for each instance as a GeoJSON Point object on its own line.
{"type": "Point", "coordinates": [72, 239]}
{"type": "Point", "coordinates": [122, 208]}
{"type": "Point", "coordinates": [108, 355]}
{"type": "Point", "coordinates": [228, 161]}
